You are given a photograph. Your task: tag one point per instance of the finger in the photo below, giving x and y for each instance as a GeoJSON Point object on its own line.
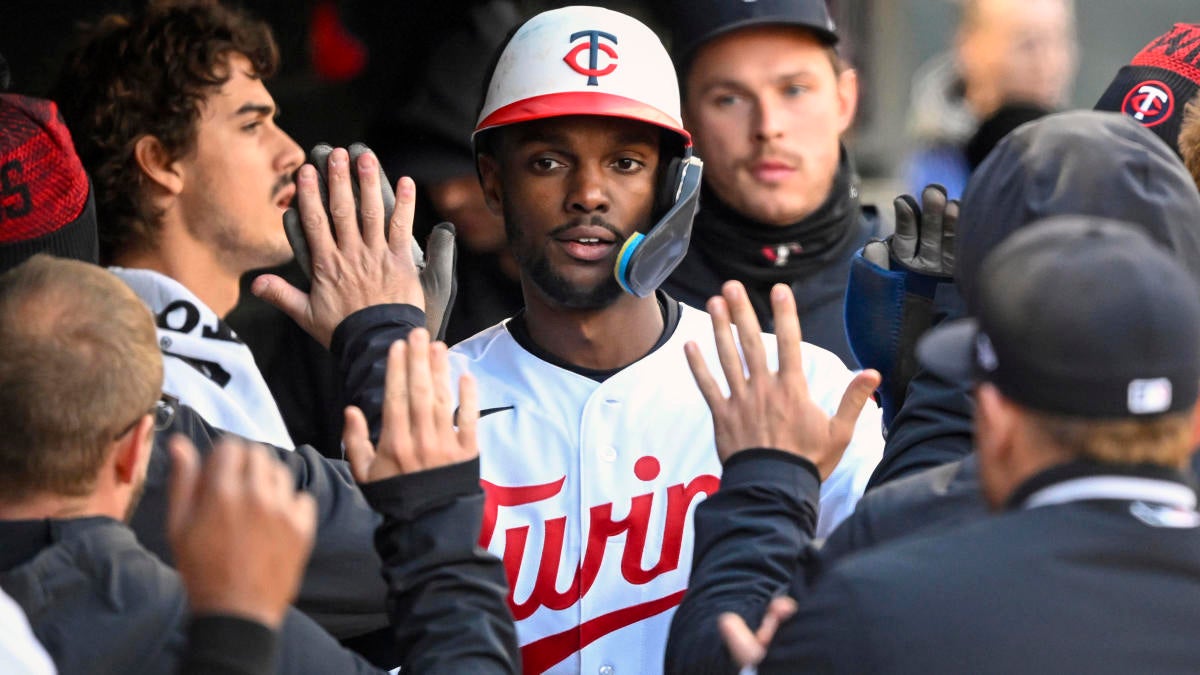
{"type": "Point", "coordinates": [743, 647]}
{"type": "Point", "coordinates": [949, 234]}
{"type": "Point", "coordinates": [223, 469]}
{"type": "Point", "coordinates": [904, 241]}
{"type": "Point", "coordinates": [875, 252]}
{"type": "Point", "coordinates": [283, 296]}
{"type": "Point", "coordinates": [256, 474]}
{"type": "Point", "coordinates": [749, 332]}
{"type": "Point", "coordinates": [727, 353]}
{"type": "Point", "coordinates": [304, 515]}
{"type": "Point", "coordinates": [443, 399]}
{"type": "Point", "coordinates": [779, 610]}
{"type": "Point", "coordinates": [933, 209]}
{"type": "Point", "coordinates": [468, 414]}
{"type": "Point", "coordinates": [385, 188]}
{"type": "Point", "coordinates": [370, 200]}
{"type": "Point", "coordinates": [841, 426]}
{"type": "Point", "coordinates": [396, 426]}
{"type": "Point", "coordinates": [400, 227]}
{"type": "Point", "coordinates": [420, 395]}
{"type": "Point", "coordinates": [341, 201]}
{"type": "Point", "coordinates": [313, 220]}
{"type": "Point", "coordinates": [788, 336]}
{"type": "Point", "coordinates": [185, 472]}
{"type": "Point", "coordinates": [709, 388]}
{"type": "Point", "coordinates": [356, 439]}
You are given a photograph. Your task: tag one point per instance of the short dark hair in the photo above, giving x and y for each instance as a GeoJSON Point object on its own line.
{"type": "Point", "coordinates": [80, 361]}
{"type": "Point", "coordinates": [147, 74]}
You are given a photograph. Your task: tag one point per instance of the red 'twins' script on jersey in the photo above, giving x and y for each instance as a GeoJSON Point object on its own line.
{"type": "Point", "coordinates": [601, 528]}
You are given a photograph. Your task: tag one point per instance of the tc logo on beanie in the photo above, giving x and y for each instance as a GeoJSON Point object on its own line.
{"type": "Point", "coordinates": [1156, 86]}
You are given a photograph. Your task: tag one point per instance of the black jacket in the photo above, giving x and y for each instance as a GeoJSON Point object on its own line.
{"type": "Point", "coordinates": [100, 602]}
{"type": "Point", "coordinates": [820, 290]}
{"type": "Point", "coordinates": [1081, 162]}
{"type": "Point", "coordinates": [977, 597]}
{"type": "Point", "coordinates": [342, 588]}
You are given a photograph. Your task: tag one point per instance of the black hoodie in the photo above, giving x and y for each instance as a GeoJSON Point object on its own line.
{"type": "Point", "coordinates": [750, 543]}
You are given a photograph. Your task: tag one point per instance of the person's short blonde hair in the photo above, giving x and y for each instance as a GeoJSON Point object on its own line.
{"type": "Point", "coordinates": [1165, 440]}
{"type": "Point", "coordinates": [79, 362]}
{"type": "Point", "coordinates": [1189, 138]}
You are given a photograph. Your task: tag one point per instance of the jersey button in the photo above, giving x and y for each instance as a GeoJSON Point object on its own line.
{"type": "Point", "coordinates": [607, 670]}
{"type": "Point", "coordinates": [608, 454]}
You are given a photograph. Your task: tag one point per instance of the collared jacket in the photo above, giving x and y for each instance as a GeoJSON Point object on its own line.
{"type": "Point", "coordinates": [100, 602]}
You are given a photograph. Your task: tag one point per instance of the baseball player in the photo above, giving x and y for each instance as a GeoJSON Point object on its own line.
{"type": "Point", "coordinates": [595, 442]}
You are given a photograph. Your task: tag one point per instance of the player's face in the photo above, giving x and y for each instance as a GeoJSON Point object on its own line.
{"type": "Point", "coordinates": [572, 190]}
{"type": "Point", "coordinates": [238, 180]}
{"type": "Point", "coordinates": [766, 111]}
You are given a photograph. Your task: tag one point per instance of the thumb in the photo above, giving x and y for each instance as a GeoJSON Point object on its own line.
{"type": "Point", "coordinates": [357, 442]}
{"type": "Point", "coordinates": [437, 279]}
{"type": "Point", "coordinates": [853, 400]}
{"type": "Point", "coordinates": [283, 296]}
{"type": "Point", "coordinates": [744, 648]}
{"type": "Point", "coordinates": [185, 471]}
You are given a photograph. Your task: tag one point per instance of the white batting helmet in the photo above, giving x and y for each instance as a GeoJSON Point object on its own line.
{"type": "Point", "coordinates": [583, 61]}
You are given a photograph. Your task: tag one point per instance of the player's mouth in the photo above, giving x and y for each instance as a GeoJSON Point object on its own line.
{"type": "Point", "coordinates": [587, 243]}
{"type": "Point", "coordinates": [284, 195]}
{"type": "Point", "coordinates": [771, 171]}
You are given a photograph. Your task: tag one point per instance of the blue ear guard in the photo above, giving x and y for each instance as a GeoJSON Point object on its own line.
{"type": "Point", "coordinates": [646, 260]}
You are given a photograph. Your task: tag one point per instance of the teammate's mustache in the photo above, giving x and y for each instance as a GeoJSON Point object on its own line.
{"type": "Point", "coordinates": [595, 221]}
{"type": "Point", "coordinates": [282, 184]}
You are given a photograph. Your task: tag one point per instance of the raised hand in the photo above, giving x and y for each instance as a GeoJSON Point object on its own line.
{"type": "Point", "coordinates": [924, 237]}
{"type": "Point", "coordinates": [768, 409]}
{"type": "Point", "coordinates": [240, 531]}
{"type": "Point", "coordinates": [746, 647]}
{"type": "Point", "coordinates": [365, 265]}
{"type": "Point", "coordinates": [418, 431]}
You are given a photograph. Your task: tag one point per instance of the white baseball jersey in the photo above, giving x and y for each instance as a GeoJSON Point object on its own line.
{"type": "Point", "coordinates": [591, 488]}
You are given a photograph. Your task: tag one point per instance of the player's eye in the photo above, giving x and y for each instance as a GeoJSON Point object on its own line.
{"type": "Point", "coordinates": [546, 164]}
{"type": "Point", "coordinates": [628, 164]}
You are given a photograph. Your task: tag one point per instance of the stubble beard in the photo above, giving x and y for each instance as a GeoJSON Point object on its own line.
{"type": "Point", "coordinates": [536, 267]}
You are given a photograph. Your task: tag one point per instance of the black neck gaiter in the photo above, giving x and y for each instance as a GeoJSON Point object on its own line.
{"type": "Point", "coordinates": [741, 248]}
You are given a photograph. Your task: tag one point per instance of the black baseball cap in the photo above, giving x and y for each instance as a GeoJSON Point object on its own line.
{"type": "Point", "coordinates": [694, 22]}
{"type": "Point", "coordinates": [1079, 316]}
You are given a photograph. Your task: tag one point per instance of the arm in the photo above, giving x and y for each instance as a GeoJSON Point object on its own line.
{"type": "Point", "coordinates": [751, 535]}
{"type": "Point", "coordinates": [446, 596]}
{"type": "Point", "coordinates": [748, 537]}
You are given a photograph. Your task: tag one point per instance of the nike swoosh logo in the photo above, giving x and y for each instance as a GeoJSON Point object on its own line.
{"type": "Point", "coordinates": [485, 412]}
{"type": "Point", "coordinates": [488, 411]}
{"type": "Point", "coordinates": [540, 655]}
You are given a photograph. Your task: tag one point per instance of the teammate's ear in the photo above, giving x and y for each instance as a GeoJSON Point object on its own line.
{"type": "Point", "coordinates": [847, 89]}
{"type": "Point", "coordinates": [154, 161]}
{"type": "Point", "coordinates": [489, 180]}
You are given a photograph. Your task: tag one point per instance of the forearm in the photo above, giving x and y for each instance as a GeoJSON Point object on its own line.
{"type": "Point", "coordinates": [446, 595]}
{"type": "Point", "coordinates": [360, 345]}
{"type": "Point", "coordinates": [749, 536]}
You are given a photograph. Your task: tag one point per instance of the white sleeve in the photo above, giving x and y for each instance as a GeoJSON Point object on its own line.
{"type": "Point", "coordinates": [20, 652]}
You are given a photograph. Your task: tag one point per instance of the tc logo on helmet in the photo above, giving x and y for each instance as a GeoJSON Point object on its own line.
{"type": "Point", "coordinates": [593, 47]}
{"type": "Point", "coordinates": [1150, 103]}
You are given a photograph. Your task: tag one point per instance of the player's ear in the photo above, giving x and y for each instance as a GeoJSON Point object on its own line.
{"type": "Point", "coordinates": [156, 163]}
{"type": "Point", "coordinates": [489, 180]}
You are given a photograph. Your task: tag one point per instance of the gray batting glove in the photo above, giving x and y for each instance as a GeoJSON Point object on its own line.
{"type": "Point", "coordinates": [437, 278]}
{"type": "Point", "coordinates": [924, 238]}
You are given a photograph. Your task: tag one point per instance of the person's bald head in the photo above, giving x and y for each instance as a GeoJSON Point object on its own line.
{"type": "Point", "coordinates": [1016, 50]}
{"type": "Point", "coordinates": [79, 364]}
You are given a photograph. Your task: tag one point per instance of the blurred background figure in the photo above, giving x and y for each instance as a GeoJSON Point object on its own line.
{"type": "Point", "coordinates": [1005, 51]}
{"type": "Point", "coordinates": [427, 135]}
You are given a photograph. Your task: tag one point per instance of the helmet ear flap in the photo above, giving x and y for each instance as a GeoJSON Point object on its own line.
{"type": "Point", "coordinates": [668, 188]}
